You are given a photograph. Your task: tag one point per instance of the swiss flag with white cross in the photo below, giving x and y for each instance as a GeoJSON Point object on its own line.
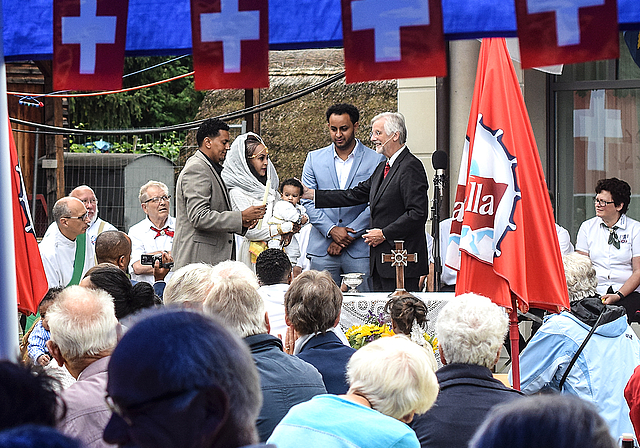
{"type": "Point", "coordinates": [566, 32]}
{"type": "Point", "coordinates": [89, 42]}
{"type": "Point", "coordinates": [230, 41]}
{"type": "Point", "coordinates": [390, 39]}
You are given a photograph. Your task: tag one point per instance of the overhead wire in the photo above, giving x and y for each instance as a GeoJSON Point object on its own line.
{"type": "Point", "coordinates": [47, 129]}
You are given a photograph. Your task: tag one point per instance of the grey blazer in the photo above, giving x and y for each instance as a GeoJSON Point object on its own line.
{"type": "Point", "coordinates": [205, 223]}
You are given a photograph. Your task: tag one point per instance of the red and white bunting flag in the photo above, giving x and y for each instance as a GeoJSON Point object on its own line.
{"type": "Point", "coordinates": [503, 222]}
{"type": "Point", "coordinates": [230, 44]}
{"type": "Point", "coordinates": [385, 39]}
{"type": "Point", "coordinates": [566, 32]}
{"type": "Point", "coordinates": [89, 38]}
{"type": "Point", "coordinates": [31, 280]}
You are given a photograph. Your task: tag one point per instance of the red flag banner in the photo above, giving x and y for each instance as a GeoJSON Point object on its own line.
{"type": "Point", "coordinates": [566, 32]}
{"type": "Point", "coordinates": [89, 38]}
{"type": "Point", "coordinates": [31, 280]}
{"type": "Point", "coordinates": [230, 44]}
{"type": "Point", "coordinates": [385, 39]}
{"type": "Point", "coordinates": [503, 223]}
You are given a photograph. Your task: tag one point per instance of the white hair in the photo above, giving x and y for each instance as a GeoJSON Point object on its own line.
{"type": "Point", "coordinates": [238, 304]}
{"type": "Point", "coordinates": [394, 374]}
{"type": "Point", "coordinates": [142, 196]}
{"type": "Point", "coordinates": [234, 269]}
{"type": "Point", "coordinates": [189, 285]}
{"type": "Point", "coordinates": [581, 276]}
{"type": "Point", "coordinates": [471, 330]}
{"type": "Point", "coordinates": [394, 122]}
{"type": "Point", "coordinates": [82, 322]}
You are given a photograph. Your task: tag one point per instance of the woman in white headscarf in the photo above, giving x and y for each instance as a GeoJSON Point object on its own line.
{"type": "Point", "coordinates": [247, 172]}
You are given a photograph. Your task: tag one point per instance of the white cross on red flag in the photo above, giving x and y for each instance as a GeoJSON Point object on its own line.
{"type": "Point", "coordinates": [565, 32]}
{"type": "Point", "coordinates": [385, 39]}
{"type": "Point", "coordinates": [230, 41]}
{"type": "Point", "coordinates": [88, 45]}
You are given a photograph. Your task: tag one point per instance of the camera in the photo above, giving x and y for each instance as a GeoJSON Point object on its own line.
{"type": "Point", "coordinates": [150, 260]}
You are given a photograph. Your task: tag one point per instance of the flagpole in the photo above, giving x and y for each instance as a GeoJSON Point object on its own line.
{"type": "Point", "coordinates": [514, 339]}
{"type": "Point", "coordinates": [8, 288]}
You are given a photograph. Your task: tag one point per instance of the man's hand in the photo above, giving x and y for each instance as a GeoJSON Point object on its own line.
{"type": "Point", "coordinates": [251, 215]}
{"type": "Point", "coordinates": [373, 237]}
{"type": "Point", "coordinates": [159, 273]}
{"type": "Point", "coordinates": [304, 219]}
{"type": "Point", "coordinates": [285, 239]}
{"type": "Point", "coordinates": [341, 235]}
{"type": "Point", "coordinates": [43, 360]}
{"type": "Point", "coordinates": [307, 193]}
{"type": "Point", "coordinates": [334, 248]}
{"type": "Point", "coordinates": [610, 299]}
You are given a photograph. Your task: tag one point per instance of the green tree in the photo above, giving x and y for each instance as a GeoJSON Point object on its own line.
{"type": "Point", "coordinates": [165, 104]}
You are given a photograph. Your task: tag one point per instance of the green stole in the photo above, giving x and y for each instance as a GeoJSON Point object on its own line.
{"type": "Point", "coordinates": [78, 262]}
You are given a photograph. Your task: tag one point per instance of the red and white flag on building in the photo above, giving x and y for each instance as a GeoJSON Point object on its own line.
{"type": "Point", "coordinates": [230, 41]}
{"type": "Point", "coordinates": [386, 39]}
{"type": "Point", "coordinates": [503, 222]}
{"type": "Point", "coordinates": [31, 280]}
{"type": "Point", "coordinates": [565, 32]}
{"type": "Point", "coordinates": [89, 38]}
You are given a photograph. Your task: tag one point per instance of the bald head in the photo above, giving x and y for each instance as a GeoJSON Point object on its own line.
{"type": "Point", "coordinates": [86, 195]}
{"type": "Point", "coordinates": [114, 247]}
{"type": "Point", "coordinates": [83, 323]}
{"type": "Point", "coordinates": [71, 217]}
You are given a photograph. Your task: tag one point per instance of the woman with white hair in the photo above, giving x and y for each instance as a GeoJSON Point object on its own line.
{"type": "Point", "coordinates": [607, 360]}
{"type": "Point", "coordinates": [390, 381]}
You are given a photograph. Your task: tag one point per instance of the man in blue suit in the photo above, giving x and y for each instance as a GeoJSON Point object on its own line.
{"type": "Point", "coordinates": [335, 242]}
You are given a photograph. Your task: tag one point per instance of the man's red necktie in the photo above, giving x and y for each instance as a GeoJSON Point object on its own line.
{"type": "Point", "coordinates": [164, 231]}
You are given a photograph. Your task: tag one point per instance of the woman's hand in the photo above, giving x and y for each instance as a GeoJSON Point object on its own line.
{"type": "Point", "coordinates": [610, 299]}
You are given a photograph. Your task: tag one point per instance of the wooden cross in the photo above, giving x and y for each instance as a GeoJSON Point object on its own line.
{"type": "Point", "coordinates": [399, 258]}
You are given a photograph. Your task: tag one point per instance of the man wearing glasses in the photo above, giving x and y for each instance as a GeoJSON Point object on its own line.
{"type": "Point", "coordinates": [65, 255]}
{"type": "Point", "coordinates": [154, 234]}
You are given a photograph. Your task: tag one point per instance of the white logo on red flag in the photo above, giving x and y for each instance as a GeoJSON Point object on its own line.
{"type": "Point", "coordinates": [567, 17]}
{"type": "Point", "coordinates": [89, 43]}
{"type": "Point", "coordinates": [565, 32]}
{"type": "Point", "coordinates": [230, 26]}
{"type": "Point", "coordinates": [230, 43]}
{"type": "Point", "coordinates": [386, 18]}
{"type": "Point", "coordinates": [88, 30]}
{"type": "Point", "coordinates": [596, 124]}
{"type": "Point", "coordinates": [385, 39]}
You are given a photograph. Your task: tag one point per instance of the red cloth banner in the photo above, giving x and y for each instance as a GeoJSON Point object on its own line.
{"type": "Point", "coordinates": [567, 32]}
{"type": "Point", "coordinates": [31, 280]}
{"type": "Point", "coordinates": [230, 44]}
{"type": "Point", "coordinates": [89, 38]}
{"type": "Point", "coordinates": [503, 222]}
{"type": "Point", "coordinates": [385, 39]}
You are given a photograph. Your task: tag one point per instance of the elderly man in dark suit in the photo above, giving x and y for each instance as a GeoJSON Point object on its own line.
{"type": "Point", "coordinates": [205, 224]}
{"type": "Point", "coordinates": [397, 195]}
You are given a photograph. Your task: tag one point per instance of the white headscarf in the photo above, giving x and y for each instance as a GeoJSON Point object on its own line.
{"type": "Point", "coordinates": [236, 173]}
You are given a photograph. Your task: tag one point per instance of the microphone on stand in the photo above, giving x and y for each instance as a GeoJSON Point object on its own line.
{"type": "Point", "coordinates": [440, 162]}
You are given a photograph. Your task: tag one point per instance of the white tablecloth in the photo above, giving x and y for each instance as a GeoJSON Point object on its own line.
{"type": "Point", "coordinates": [356, 309]}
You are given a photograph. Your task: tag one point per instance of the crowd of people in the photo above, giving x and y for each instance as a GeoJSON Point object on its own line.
{"type": "Point", "coordinates": [160, 338]}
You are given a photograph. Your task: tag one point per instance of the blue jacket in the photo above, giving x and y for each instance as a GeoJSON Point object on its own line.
{"type": "Point", "coordinates": [467, 394]}
{"type": "Point", "coordinates": [319, 172]}
{"type": "Point", "coordinates": [602, 369]}
{"type": "Point", "coordinates": [284, 380]}
{"type": "Point", "coordinates": [330, 356]}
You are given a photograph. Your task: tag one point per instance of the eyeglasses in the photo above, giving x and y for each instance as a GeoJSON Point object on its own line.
{"type": "Point", "coordinates": [81, 218]}
{"type": "Point", "coordinates": [124, 413]}
{"type": "Point", "coordinates": [602, 202]}
{"type": "Point", "coordinates": [158, 199]}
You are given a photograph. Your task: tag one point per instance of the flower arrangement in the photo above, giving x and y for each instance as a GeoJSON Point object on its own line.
{"type": "Point", "coordinates": [375, 328]}
{"type": "Point", "coordinates": [432, 341]}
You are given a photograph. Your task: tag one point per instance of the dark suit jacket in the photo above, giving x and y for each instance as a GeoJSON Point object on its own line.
{"type": "Point", "coordinates": [467, 393]}
{"type": "Point", "coordinates": [205, 223]}
{"type": "Point", "coordinates": [399, 206]}
{"type": "Point", "coordinates": [330, 356]}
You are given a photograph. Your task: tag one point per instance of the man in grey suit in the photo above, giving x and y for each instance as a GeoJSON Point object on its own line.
{"type": "Point", "coordinates": [335, 242]}
{"type": "Point", "coordinates": [205, 224]}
